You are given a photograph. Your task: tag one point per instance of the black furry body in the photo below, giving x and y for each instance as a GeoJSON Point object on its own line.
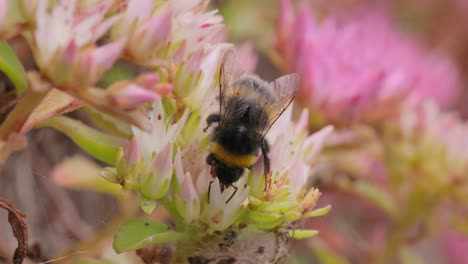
{"type": "Point", "coordinates": [248, 107]}
{"type": "Point", "coordinates": [240, 130]}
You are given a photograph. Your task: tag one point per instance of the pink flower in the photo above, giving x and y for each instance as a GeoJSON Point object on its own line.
{"type": "Point", "coordinates": [159, 34]}
{"type": "Point", "coordinates": [146, 31]}
{"type": "Point", "coordinates": [445, 136]}
{"type": "Point", "coordinates": [361, 68]}
{"type": "Point", "coordinates": [131, 156]}
{"type": "Point", "coordinates": [456, 246]}
{"type": "Point", "coordinates": [131, 94]}
{"type": "Point", "coordinates": [63, 43]}
{"type": "Point", "coordinates": [155, 183]}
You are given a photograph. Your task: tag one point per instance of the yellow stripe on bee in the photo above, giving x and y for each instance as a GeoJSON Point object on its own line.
{"type": "Point", "coordinates": [230, 159]}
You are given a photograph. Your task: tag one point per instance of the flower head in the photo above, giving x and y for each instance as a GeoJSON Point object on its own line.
{"type": "Point", "coordinates": [63, 43]}
{"type": "Point", "coordinates": [455, 244]}
{"type": "Point", "coordinates": [287, 196]}
{"type": "Point", "coordinates": [439, 140]}
{"type": "Point", "coordinates": [160, 33]}
{"type": "Point", "coordinates": [360, 68]}
{"type": "Point", "coordinates": [147, 29]}
{"type": "Point", "coordinates": [147, 163]}
{"type": "Point", "coordinates": [175, 152]}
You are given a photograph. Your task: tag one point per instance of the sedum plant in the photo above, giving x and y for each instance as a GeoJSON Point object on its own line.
{"type": "Point", "coordinates": [147, 125]}
{"type": "Point", "coordinates": [397, 150]}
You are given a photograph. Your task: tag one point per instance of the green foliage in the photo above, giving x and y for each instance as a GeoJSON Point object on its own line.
{"type": "Point", "coordinates": [139, 233]}
{"type": "Point", "coordinates": [108, 123]}
{"type": "Point", "coordinates": [101, 146]}
{"type": "Point", "coordinates": [12, 67]}
{"type": "Point", "coordinates": [119, 72]}
{"type": "Point", "coordinates": [302, 233]}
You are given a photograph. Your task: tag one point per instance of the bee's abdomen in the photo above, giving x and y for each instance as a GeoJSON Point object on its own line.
{"type": "Point", "coordinates": [232, 159]}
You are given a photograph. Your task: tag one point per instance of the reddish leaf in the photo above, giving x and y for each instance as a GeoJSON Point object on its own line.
{"type": "Point", "coordinates": [20, 230]}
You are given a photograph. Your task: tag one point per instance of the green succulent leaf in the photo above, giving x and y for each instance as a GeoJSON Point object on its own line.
{"type": "Point", "coordinates": [12, 67]}
{"type": "Point", "coordinates": [101, 146]}
{"type": "Point", "coordinates": [81, 173]}
{"type": "Point", "coordinates": [376, 195]}
{"type": "Point", "coordinates": [139, 233]}
{"type": "Point", "coordinates": [318, 212]}
{"type": "Point", "coordinates": [302, 233]}
{"type": "Point", "coordinates": [108, 123]}
{"type": "Point", "coordinates": [265, 221]}
{"type": "Point", "coordinates": [278, 207]}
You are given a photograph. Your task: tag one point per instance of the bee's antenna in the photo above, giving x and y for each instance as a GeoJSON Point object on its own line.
{"type": "Point", "coordinates": [209, 191]}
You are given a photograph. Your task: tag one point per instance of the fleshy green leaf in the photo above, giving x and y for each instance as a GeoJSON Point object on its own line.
{"type": "Point", "coordinates": [79, 172]}
{"type": "Point", "coordinates": [265, 221]}
{"type": "Point", "coordinates": [318, 212]}
{"type": "Point", "coordinates": [279, 207]}
{"type": "Point", "coordinates": [302, 233]}
{"type": "Point", "coordinates": [260, 217]}
{"type": "Point", "coordinates": [12, 67]}
{"type": "Point", "coordinates": [139, 233]}
{"type": "Point", "coordinates": [380, 197]}
{"type": "Point", "coordinates": [108, 123]}
{"type": "Point", "coordinates": [101, 146]}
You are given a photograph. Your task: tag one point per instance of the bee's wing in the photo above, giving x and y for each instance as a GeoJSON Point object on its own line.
{"type": "Point", "coordinates": [229, 72]}
{"type": "Point", "coordinates": [283, 90]}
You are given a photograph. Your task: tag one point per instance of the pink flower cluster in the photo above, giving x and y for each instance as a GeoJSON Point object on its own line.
{"type": "Point", "coordinates": [360, 68]}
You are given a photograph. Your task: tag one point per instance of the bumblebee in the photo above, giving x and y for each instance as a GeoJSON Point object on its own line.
{"type": "Point", "coordinates": [248, 107]}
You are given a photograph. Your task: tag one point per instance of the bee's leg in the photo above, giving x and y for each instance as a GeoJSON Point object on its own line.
{"type": "Point", "coordinates": [211, 159]}
{"type": "Point", "coordinates": [266, 160]}
{"type": "Point", "coordinates": [209, 191]}
{"type": "Point", "coordinates": [210, 120]}
{"type": "Point", "coordinates": [234, 193]}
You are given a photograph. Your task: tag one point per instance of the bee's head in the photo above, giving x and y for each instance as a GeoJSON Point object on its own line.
{"type": "Point", "coordinates": [227, 175]}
